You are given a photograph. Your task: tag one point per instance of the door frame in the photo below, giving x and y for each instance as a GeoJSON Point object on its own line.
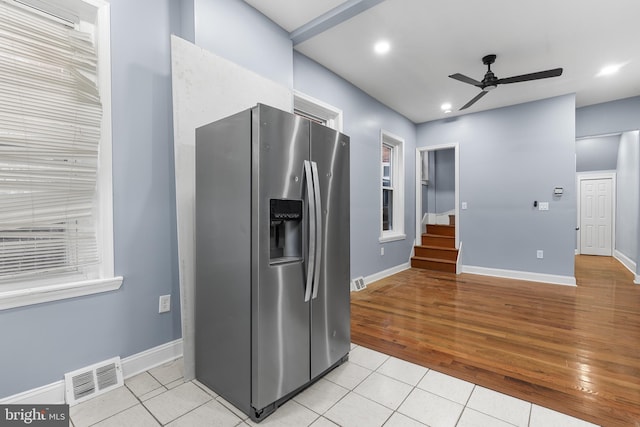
{"type": "Point", "coordinates": [418, 181]}
{"type": "Point", "coordinates": [585, 176]}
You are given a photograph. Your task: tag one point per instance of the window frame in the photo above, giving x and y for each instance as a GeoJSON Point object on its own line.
{"type": "Point", "coordinates": [103, 279]}
{"type": "Point", "coordinates": [308, 106]}
{"type": "Point", "coordinates": [396, 231]}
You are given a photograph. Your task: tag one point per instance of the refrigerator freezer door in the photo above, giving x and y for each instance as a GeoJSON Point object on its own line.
{"type": "Point", "coordinates": [330, 311]}
{"type": "Point", "coordinates": [280, 317]}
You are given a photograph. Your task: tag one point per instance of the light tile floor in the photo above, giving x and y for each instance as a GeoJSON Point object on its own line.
{"type": "Point", "coordinates": [371, 389]}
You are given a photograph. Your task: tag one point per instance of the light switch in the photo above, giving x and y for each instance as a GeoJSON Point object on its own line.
{"type": "Point", "coordinates": [464, 205]}
{"type": "Point", "coordinates": [543, 206]}
{"type": "Point", "coordinates": [165, 304]}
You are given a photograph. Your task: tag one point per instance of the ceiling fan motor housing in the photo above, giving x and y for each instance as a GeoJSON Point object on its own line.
{"type": "Point", "coordinates": [488, 82]}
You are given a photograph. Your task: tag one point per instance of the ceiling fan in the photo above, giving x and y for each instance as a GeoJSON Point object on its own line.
{"type": "Point", "coordinates": [490, 81]}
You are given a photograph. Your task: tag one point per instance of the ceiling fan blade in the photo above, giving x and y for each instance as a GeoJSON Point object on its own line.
{"type": "Point", "coordinates": [531, 76]}
{"type": "Point", "coordinates": [464, 79]}
{"type": "Point", "coordinates": [473, 101]}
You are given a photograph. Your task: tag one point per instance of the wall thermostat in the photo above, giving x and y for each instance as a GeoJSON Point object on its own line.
{"type": "Point", "coordinates": [558, 191]}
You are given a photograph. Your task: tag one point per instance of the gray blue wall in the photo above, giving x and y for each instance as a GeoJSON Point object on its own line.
{"type": "Point", "coordinates": [427, 193]}
{"type": "Point", "coordinates": [364, 117]}
{"type": "Point", "coordinates": [628, 190]}
{"type": "Point", "coordinates": [509, 158]}
{"type": "Point", "coordinates": [609, 117]}
{"type": "Point", "coordinates": [441, 191]}
{"type": "Point", "coordinates": [234, 30]}
{"type": "Point", "coordinates": [597, 154]}
{"type": "Point", "coordinates": [182, 13]}
{"type": "Point", "coordinates": [42, 342]}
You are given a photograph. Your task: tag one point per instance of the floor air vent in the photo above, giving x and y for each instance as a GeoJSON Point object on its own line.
{"type": "Point", "coordinates": [93, 380]}
{"type": "Point", "coordinates": [358, 284]}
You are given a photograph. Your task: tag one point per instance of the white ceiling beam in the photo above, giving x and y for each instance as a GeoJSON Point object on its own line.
{"type": "Point", "coordinates": [335, 16]}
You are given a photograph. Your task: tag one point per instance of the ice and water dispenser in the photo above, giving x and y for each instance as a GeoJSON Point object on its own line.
{"type": "Point", "coordinates": [285, 230]}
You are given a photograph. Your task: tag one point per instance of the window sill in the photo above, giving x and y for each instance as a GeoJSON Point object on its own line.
{"type": "Point", "coordinates": [392, 237]}
{"type": "Point", "coordinates": [40, 294]}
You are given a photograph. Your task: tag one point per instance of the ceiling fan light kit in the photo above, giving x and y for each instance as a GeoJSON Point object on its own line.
{"type": "Point", "coordinates": [490, 81]}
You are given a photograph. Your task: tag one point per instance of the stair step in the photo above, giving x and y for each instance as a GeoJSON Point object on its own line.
{"type": "Point", "coordinates": [436, 252]}
{"type": "Point", "coordinates": [433, 264]}
{"type": "Point", "coordinates": [441, 229]}
{"type": "Point", "coordinates": [438, 240]}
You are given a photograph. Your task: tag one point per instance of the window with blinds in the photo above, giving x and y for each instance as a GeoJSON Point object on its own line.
{"type": "Point", "coordinates": [50, 117]}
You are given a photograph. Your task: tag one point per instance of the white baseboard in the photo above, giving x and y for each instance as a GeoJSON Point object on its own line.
{"type": "Point", "coordinates": [386, 273]}
{"type": "Point", "coordinates": [156, 356]}
{"type": "Point", "coordinates": [629, 264]}
{"type": "Point", "coordinates": [51, 394]}
{"type": "Point", "coordinates": [521, 275]}
{"type": "Point", "coordinates": [626, 261]}
{"type": "Point", "coordinates": [54, 393]}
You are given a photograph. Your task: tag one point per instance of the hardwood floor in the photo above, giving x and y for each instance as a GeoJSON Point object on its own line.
{"type": "Point", "coordinates": [572, 349]}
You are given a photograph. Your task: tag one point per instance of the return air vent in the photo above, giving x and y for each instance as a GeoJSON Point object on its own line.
{"type": "Point", "coordinates": [93, 380]}
{"type": "Point", "coordinates": [358, 284]}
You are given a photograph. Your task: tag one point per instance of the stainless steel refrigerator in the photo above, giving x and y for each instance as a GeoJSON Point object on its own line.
{"type": "Point", "coordinates": [272, 256]}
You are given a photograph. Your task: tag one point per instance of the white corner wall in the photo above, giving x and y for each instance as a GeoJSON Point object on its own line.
{"type": "Point", "coordinates": [206, 88]}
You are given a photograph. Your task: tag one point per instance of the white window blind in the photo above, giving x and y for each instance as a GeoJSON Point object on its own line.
{"type": "Point", "coordinates": [50, 115]}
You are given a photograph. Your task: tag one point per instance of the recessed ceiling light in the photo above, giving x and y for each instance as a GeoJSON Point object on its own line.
{"type": "Point", "coordinates": [382, 47]}
{"type": "Point", "coordinates": [611, 69]}
{"type": "Point", "coordinates": [446, 106]}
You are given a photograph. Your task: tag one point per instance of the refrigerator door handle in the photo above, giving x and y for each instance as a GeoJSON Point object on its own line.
{"type": "Point", "coordinates": [318, 250]}
{"type": "Point", "coordinates": [312, 230]}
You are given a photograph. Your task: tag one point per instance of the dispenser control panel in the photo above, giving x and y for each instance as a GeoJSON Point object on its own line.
{"type": "Point", "coordinates": [285, 231]}
{"type": "Point", "coordinates": [283, 209]}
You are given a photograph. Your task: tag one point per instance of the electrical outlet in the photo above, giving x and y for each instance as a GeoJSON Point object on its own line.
{"type": "Point", "coordinates": [165, 304]}
{"type": "Point", "coordinates": [382, 251]}
{"type": "Point", "coordinates": [540, 254]}
{"type": "Point", "coordinates": [543, 206]}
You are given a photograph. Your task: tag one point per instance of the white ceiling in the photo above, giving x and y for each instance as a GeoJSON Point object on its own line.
{"type": "Point", "coordinates": [433, 39]}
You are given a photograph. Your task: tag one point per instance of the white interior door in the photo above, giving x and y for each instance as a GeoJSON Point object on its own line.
{"type": "Point", "coordinates": [596, 216]}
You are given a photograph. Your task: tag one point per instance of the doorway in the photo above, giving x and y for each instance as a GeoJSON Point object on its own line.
{"type": "Point", "coordinates": [614, 156]}
{"type": "Point", "coordinates": [423, 182]}
{"type": "Point", "coordinates": [596, 210]}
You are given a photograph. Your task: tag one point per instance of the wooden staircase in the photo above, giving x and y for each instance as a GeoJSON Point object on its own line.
{"type": "Point", "coordinates": [438, 248]}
